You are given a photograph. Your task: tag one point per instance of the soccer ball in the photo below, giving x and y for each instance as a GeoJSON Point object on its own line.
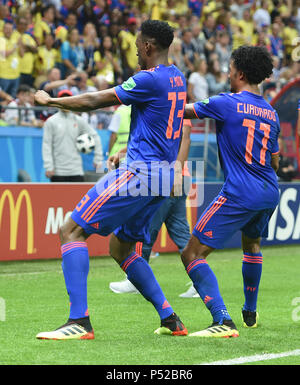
{"type": "Point", "coordinates": [85, 143]}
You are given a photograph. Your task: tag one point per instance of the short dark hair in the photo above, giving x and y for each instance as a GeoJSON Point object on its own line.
{"type": "Point", "coordinates": [23, 88]}
{"type": "Point", "coordinates": [186, 30]}
{"type": "Point", "coordinates": [158, 30]}
{"type": "Point", "coordinates": [72, 13]}
{"type": "Point", "coordinates": [255, 63]}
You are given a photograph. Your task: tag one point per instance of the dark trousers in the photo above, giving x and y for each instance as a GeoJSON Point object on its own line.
{"type": "Point", "coordinates": [27, 79]}
{"type": "Point", "coordinates": [10, 86]}
{"type": "Point", "coordinates": [67, 178]}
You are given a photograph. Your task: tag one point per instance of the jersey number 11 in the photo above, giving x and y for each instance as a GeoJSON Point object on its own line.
{"type": "Point", "coordinates": [250, 124]}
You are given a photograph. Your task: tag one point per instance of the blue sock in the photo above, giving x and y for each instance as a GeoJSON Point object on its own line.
{"type": "Point", "coordinates": [251, 271]}
{"type": "Point", "coordinates": [141, 276]}
{"type": "Point", "coordinates": [75, 267]}
{"type": "Point", "coordinates": [205, 282]}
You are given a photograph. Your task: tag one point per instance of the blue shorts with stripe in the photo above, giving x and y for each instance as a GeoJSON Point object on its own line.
{"type": "Point", "coordinates": [223, 218]}
{"type": "Point", "coordinates": [113, 205]}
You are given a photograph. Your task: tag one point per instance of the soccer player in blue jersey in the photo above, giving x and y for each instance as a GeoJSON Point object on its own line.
{"type": "Point", "coordinates": [247, 130]}
{"type": "Point", "coordinates": [158, 96]}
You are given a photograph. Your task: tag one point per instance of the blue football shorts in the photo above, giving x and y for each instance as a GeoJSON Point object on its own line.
{"type": "Point", "coordinates": [113, 205]}
{"type": "Point", "coordinates": [223, 218]}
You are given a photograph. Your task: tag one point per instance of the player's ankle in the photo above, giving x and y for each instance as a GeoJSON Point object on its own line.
{"type": "Point", "coordinates": [84, 321]}
{"type": "Point", "coordinates": [221, 316]}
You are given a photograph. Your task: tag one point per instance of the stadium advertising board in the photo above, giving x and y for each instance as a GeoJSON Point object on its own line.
{"type": "Point", "coordinates": [284, 226]}
{"type": "Point", "coordinates": [30, 216]}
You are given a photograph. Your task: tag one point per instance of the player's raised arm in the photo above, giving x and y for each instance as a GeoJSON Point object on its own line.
{"type": "Point", "coordinates": [184, 148]}
{"type": "Point", "coordinates": [81, 103]}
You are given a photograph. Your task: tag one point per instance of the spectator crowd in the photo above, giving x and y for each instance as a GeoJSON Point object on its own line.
{"type": "Point", "coordinates": [86, 46]}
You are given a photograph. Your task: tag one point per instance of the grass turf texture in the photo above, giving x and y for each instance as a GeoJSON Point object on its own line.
{"type": "Point", "coordinates": [36, 300]}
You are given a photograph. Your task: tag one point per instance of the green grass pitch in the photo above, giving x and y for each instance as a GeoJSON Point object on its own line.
{"type": "Point", "coordinates": [35, 300]}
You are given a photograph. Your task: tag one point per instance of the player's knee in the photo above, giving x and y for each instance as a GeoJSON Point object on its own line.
{"type": "Point", "coordinates": [117, 255]}
{"type": "Point", "coordinates": [64, 234]}
{"type": "Point", "coordinates": [250, 245]}
{"type": "Point", "coordinates": [119, 250]}
{"type": "Point", "coordinates": [188, 255]}
{"type": "Point", "coordinates": [111, 251]}
{"type": "Point", "coordinates": [70, 231]}
{"type": "Point", "coordinates": [112, 248]}
{"type": "Point", "coordinates": [194, 250]}
{"type": "Point", "coordinates": [252, 249]}
{"type": "Point", "coordinates": [185, 257]}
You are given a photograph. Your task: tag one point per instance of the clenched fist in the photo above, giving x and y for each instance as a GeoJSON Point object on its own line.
{"type": "Point", "coordinates": [42, 98]}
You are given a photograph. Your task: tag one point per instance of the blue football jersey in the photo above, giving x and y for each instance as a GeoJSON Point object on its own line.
{"type": "Point", "coordinates": [247, 130]}
{"type": "Point", "coordinates": [158, 98]}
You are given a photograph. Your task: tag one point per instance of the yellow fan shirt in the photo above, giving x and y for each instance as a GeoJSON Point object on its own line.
{"type": "Point", "coordinates": [46, 59]}
{"type": "Point", "coordinates": [128, 45]}
{"type": "Point", "coordinates": [26, 62]}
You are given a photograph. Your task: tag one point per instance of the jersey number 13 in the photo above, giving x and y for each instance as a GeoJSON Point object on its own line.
{"type": "Point", "coordinates": [174, 97]}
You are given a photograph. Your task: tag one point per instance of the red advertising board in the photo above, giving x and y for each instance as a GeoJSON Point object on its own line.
{"type": "Point", "coordinates": [30, 216]}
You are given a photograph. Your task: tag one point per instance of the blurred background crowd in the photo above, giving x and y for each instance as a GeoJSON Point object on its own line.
{"type": "Point", "coordinates": [86, 46]}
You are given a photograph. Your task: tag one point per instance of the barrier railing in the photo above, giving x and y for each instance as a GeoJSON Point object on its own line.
{"type": "Point", "coordinates": [50, 110]}
{"type": "Point", "coordinates": [203, 143]}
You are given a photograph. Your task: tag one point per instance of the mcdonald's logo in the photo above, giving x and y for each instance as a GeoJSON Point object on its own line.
{"type": "Point", "coordinates": [14, 210]}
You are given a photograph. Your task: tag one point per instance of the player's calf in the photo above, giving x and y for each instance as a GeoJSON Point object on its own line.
{"type": "Point", "coordinates": [204, 279]}
{"type": "Point", "coordinates": [140, 274]}
{"type": "Point", "coordinates": [251, 272]}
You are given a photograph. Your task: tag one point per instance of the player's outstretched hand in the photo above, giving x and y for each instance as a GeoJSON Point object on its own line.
{"type": "Point", "coordinates": [42, 98]}
{"type": "Point", "coordinates": [113, 162]}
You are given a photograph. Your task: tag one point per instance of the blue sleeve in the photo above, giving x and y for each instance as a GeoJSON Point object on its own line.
{"type": "Point", "coordinates": [275, 147]}
{"type": "Point", "coordinates": [140, 88]}
{"type": "Point", "coordinates": [213, 107]}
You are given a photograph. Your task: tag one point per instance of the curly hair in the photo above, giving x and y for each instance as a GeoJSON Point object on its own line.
{"type": "Point", "coordinates": [158, 30]}
{"type": "Point", "coordinates": [255, 63]}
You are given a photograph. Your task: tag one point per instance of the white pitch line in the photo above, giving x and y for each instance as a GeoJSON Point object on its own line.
{"type": "Point", "coordinates": [255, 358]}
{"type": "Point", "coordinates": [28, 273]}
